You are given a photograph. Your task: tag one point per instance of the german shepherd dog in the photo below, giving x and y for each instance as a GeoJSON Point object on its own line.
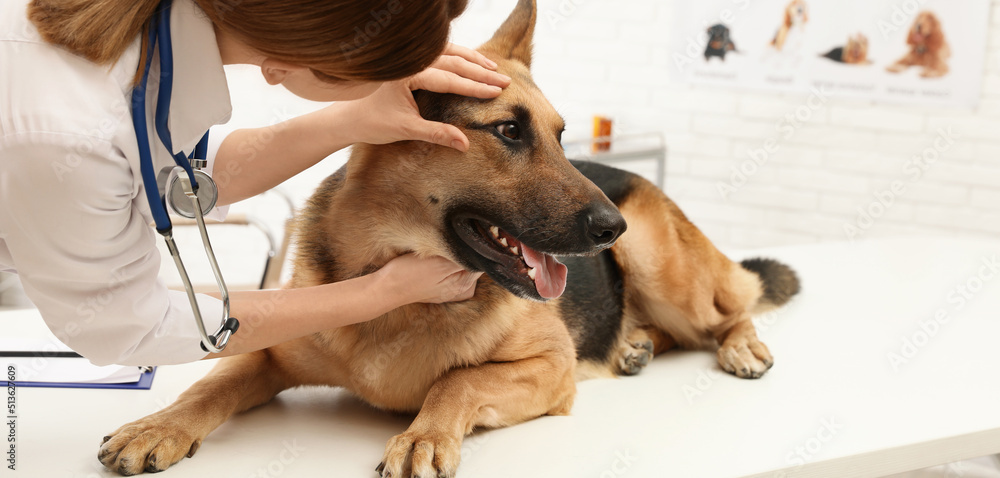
{"type": "Point", "coordinates": [513, 352]}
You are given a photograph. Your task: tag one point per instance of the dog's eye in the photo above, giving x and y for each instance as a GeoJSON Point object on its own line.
{"type": "Point", "coordinates": [509, 130]}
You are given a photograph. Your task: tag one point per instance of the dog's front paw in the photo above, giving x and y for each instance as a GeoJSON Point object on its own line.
{"type": "Point", "coordinates": [634, 356]}
{"type": "Point", "coordinates": [929, 73]}
{"type": "Point", "coordinates": [151, 444]}
{"type": "Point", "coordinates": [745, 357]}
{"type": "Point", "coordinates": [421, 455]}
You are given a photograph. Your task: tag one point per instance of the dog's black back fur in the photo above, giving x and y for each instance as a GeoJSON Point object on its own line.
{"type": "Point", "coordinates": [614, 183]}
{"type": "Point", "coordinates": [836, 54]}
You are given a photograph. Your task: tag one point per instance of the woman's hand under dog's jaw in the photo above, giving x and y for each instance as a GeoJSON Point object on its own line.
{"type": "Point", "coordinates": [433, 280]}
{"type": "Point", "coordinates": [390, 114]}
{"type": "Point", "coordinates": [270, 317]}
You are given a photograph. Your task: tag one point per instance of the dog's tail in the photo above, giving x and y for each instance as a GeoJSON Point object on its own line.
{"type": "Point", "coordinates": [780, 282]}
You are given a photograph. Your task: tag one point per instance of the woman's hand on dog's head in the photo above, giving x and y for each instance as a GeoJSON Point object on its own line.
{"type": "Point", "coordinates": [390, 114]}
{"type": "Point", "coordinates": [432, 280]}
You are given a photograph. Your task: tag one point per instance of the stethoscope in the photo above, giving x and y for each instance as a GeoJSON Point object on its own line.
{"type": "Point", "coordinates": [191, 192]}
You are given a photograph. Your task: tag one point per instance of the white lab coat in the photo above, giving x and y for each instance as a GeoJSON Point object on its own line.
{"type": "Point", "coordinates": [74, 220]}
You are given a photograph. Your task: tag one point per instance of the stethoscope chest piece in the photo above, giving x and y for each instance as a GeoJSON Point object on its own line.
{"type": "Point", "coordinates": [178, 190]}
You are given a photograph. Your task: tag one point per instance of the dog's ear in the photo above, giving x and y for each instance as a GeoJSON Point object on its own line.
{"type": "Point", "coordinates": [912, 34]}
{"type": "Point", "coordinates": [935, 40]}
{"type": "Point", "coordinates": [513, 39]}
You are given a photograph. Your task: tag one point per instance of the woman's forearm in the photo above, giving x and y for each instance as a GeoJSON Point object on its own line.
{"type": "Point", "coordinates": [270, 317]}
{"type": "Point", "coordinates": [251, 161]}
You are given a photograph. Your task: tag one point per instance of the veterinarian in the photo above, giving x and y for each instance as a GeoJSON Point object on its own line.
{"type": "Point", "coordinates": [75, 220]}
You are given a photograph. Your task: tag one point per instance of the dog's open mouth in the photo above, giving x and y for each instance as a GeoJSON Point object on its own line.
{"type": "Point", "coordinates": [517, 261]}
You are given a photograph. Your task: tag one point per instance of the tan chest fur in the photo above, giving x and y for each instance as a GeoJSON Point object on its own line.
{"type": "Point", "coordinates": [391, 362]}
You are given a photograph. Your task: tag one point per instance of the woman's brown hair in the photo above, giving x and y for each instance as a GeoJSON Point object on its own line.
{"type": "Point", "coordinates": [376, 40]}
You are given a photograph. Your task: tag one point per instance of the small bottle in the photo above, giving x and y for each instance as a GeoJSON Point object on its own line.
{"type": "Point", "coordinates": [602, 134]}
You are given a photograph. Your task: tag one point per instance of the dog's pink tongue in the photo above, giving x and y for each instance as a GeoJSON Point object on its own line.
{"type": "Point", "coordinates": [550, 274]}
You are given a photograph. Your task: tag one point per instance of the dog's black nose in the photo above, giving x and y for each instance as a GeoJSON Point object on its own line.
{"type": "Point", "coordinates": [603, 223]}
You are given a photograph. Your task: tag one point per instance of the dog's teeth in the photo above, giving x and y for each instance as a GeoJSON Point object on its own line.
{"type": "Point", "coordinates": [503, 240]}
{"type": "Point", "coordinates": [513, 249]}
{"type": "Point", "coordinates": [495, 230]}
{"type": "Point", "coordinates": [531, 273]}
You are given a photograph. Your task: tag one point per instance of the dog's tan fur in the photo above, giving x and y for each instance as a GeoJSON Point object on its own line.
{"type": "Point", "coordinates": [928, 48]}
{"type": "Point", "coordinates": [688, 298]}
{"type": "Point", "coordinates": [492, 361]}
{"type": "Point", "coordinates": [856, 50]}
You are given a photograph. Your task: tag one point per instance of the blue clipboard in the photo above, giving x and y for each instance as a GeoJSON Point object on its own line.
{"type": "Point", "coordinates": [144, 383]}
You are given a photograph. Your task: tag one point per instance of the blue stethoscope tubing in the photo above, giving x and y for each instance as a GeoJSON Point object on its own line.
{"type": "Point", "coordinates": [159, 34]}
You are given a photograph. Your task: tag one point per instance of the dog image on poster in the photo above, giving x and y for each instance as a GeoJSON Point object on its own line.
{"type": "Point", "coordinates": [854, 52]}
{"type": "Point", "coordinates": [928, 48]}
{"type": "Point", "coordinates": [719, 42]}
{"type": "Point", "coordinates": [928, 52]}
{"type": "Point", "coordinates": [785, 47]}
{"type": "Point", "coordinates": [792, 27]}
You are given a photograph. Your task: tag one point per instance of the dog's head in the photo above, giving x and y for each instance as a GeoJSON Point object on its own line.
{"type": "Point", "coordinates": [718, 36]}
{"type": "Point", "coordinates": [926, 32]}
{"type": "Point", "coordinates": [510, 203]}
{"type": "Point", "coordinates": [796, 13]}
{"type": "Point", "coordinates": [856, 50]}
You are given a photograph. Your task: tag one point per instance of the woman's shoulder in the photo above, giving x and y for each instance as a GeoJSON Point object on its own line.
{"type": "Point", "coordinates": [57, 94]}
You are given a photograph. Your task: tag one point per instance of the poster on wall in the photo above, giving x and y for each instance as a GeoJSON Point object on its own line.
{"type": "Point", "coordinates": [927, 52]}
